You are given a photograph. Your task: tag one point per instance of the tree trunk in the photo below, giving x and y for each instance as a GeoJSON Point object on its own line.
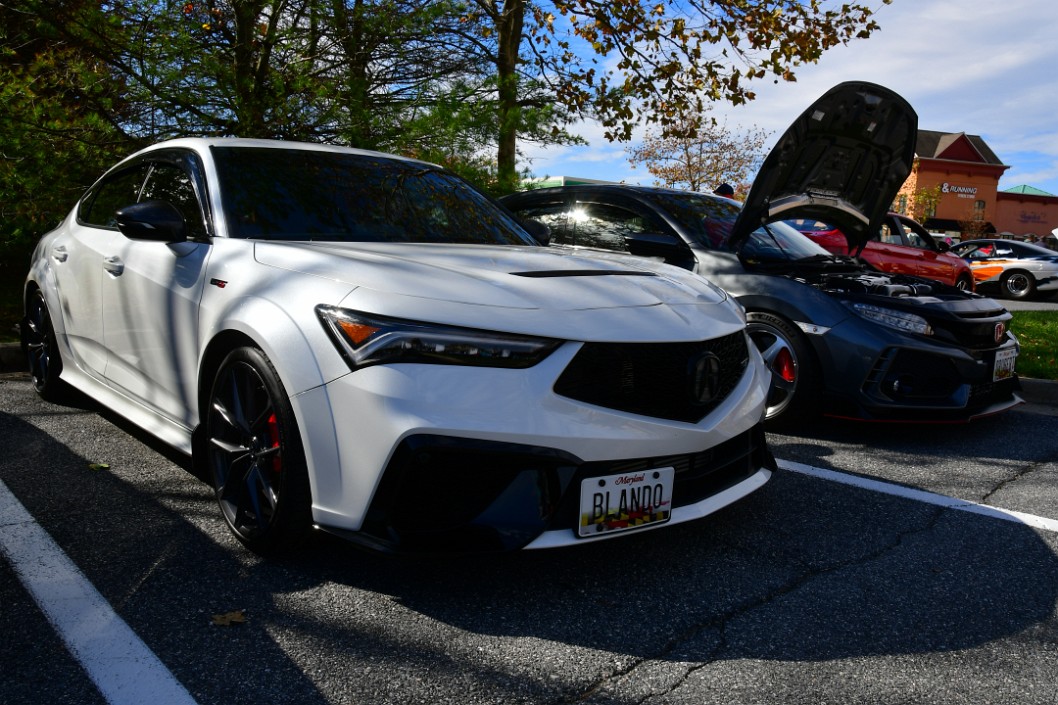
{"type": "Point", "coordinates": [509, 33]}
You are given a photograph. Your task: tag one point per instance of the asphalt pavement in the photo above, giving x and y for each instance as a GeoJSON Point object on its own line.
{"type": "Point", "coordinates": [880, 565]}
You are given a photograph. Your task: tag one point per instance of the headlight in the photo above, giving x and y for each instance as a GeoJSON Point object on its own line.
{"type": "Point", "coordinates": [371, 340]}
{"type": "Point", "coordinates": [901, 320]}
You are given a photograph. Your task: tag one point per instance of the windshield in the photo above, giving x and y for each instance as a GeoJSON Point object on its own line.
{"type": "Point", "coordinates": [301, 194]}
{"type": "Point", "coordinates": [779, 241]}
{"type": "Point", "coordinates": [711, 222]}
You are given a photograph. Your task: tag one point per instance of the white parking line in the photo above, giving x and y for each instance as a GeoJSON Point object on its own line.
{"type": "Point", "coordinates": [118, 662]}
{"type": "Point", "coordinates": [939, 500]}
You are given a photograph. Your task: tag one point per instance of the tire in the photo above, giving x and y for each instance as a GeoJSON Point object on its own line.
{"type": "Point", "coordinates": [1017, 284]}
{"type": "Point", "coordinates": [795, 379]}
{"type": "Point", "coordinates": [255, 455]}
{"type": "Point", "coordinates": [41, 351]}
{"type": "Point", "coordinates": [964, 283]}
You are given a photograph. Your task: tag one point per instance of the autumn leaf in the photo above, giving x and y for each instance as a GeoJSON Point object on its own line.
{"type": "Point", "coordinates": [229, 619]}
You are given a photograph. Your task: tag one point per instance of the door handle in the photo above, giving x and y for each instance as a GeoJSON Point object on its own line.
{"type": "Point", "coordinates": [114, 265]}
{"type": "Point", "coordinates": [59, 253]}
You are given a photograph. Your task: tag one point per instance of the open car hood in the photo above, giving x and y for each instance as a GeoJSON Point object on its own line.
{"type": "Point", "coordinates": [842, 162]}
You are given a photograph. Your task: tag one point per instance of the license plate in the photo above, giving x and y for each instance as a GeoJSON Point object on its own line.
{"type": "Point", "coordinates": [626, 501]}
{"type": "Point", "coordinates": [1004, 366]}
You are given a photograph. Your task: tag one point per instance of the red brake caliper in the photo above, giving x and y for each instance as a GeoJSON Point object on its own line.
{"type": "Point", "coordinates": [273, 431]}
{"type": "Point", "coordinates": [784, 365]}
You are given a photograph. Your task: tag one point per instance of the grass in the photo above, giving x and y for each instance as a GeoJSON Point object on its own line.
{"type": "Point", "coordinates": [1037, 331]}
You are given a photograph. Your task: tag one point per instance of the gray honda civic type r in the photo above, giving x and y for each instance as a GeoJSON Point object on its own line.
{"type": "Point", "coordinates": [839, 336]}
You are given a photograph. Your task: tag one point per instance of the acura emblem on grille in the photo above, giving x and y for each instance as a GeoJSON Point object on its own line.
{"type": "Point", "coordinates": [705, 378]}
{"type": "Point", "coordinates": [1001, 328]}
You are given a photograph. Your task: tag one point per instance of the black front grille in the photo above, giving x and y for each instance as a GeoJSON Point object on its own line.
{"type": "Point", "coordinates": [975, 329]}
{"type": "Point", "coordinates": [677, 381]}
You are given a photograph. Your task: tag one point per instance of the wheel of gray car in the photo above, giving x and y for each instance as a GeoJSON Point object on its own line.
{"type": "Point", "coordinates": [1017, 284]}
{"type": "Point", "coordinates": [795, 378]}
{"type": "Point", "coordinates": [255, 454]}
{"type": "Point", "coordinates": [38, 345]}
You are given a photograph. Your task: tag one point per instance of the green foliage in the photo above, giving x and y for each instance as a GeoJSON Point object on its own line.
{"type": "Point", "coordinates": [58, 115]}
{"type": "Point", "coordinates": [1037, 331]}
{"type": "Point", "coordinates": [462, 81]}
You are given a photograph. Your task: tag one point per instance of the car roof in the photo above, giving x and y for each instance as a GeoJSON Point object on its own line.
{"type": "Point", "coordinates": [202, 145]}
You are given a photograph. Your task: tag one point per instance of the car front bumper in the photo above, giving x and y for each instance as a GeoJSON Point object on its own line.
{"type": "Point", "coordinates": [878, 374]}
{"type": "Point", "coordinates": [450, 458]}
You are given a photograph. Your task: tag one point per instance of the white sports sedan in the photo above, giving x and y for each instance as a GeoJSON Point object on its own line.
{"type": "Point", "coordinates": [365, 344]}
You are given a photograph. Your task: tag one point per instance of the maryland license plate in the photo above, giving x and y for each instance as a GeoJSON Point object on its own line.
{"type": "Point", "coordinates": [1004, 365]}
{"type": "Point", "coordinates": [626, 501]}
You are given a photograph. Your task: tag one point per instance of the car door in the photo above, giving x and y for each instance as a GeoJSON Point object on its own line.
{"type": "Point", "coordinates": [889, 252]}
{"type": "Point", "coordinates": [151, 298]}
{"type": "Point", "coordinates": [80, 259]}
{"type": "Point", "coordinates": [934, 264]}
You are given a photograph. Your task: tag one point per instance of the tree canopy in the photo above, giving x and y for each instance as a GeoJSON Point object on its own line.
{"type": "Point", "coordinates": [461, 82]}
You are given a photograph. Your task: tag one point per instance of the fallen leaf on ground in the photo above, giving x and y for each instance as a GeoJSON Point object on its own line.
{"type": "Point", "coordinates": [229, 618]}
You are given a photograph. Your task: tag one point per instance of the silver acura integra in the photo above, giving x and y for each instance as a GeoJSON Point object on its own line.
{"type": "Point", "coordinates": [365, 344]}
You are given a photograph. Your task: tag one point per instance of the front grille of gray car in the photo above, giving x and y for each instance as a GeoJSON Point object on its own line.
{"type": "Point", "coordinates": [662, 380]}
{"type": "Point", "coordinates": [976, 331]}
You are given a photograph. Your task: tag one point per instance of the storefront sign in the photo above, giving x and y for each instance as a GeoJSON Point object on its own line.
{"type": "Point", "coordinates": [959, 191]}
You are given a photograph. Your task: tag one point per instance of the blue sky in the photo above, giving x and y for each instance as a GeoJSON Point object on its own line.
{"type": "Point", "coordinates": [977, 66]}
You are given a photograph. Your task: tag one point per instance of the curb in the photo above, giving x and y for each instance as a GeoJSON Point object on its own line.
{"type": "Point", "coordinates": [11, 359]}
{"type": "Point", "coordinates": [1039, 391]}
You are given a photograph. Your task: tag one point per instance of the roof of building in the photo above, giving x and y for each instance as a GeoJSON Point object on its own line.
{"type": "Point", "coordinates": [956, 146]}
{"type": "Point", "coordinates": [1027, 191]}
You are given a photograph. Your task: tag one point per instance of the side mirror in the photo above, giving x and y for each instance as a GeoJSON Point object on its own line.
{"type": "Point", "coordinates": [539, 230]}
{"type": "Point", "coordinates": [156, 221]}
{"type": "Point", "coordinates": [942, 246]}
{"type": "Point", "coordinates": [668, 247]}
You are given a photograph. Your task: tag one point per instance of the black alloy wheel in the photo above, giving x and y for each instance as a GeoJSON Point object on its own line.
{"type": "Point", "coordinates": [964, 282]}
{"type": "Point", "coordinates": [255, 454]}
{"type": "Point", "coordinates": [40, 349]}
{"type": "Point", "coordinates": [795, 380]}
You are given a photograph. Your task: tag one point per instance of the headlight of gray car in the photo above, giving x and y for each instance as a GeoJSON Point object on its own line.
{"type": "Point", "coordinates": [900, 320]}
{"type": "Point", "coordinates": [365, 339]}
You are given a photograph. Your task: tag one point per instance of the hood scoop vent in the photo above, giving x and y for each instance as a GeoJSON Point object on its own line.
{"type": "Point", "coordinates": [582, 273]}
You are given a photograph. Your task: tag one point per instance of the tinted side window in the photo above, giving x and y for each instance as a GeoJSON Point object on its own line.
{"type": "Point", "coordinates": [168, 182]}
{"type": "Point", "coordinates": [554, 216]}
{"type": "Point", "coordinates": [117, 191]}
{"type": "Point", "coordinates": [605, 226]}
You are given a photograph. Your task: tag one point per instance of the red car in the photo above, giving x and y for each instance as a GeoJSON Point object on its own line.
{"type": "Point", "coordinates": [902, 246]}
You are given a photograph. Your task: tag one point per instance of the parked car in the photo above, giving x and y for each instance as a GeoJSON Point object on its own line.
{"type": "Point", "coordinates": [901, 246]}
{"type": "Point", "coordinates": [368, 345]}
{"type": "Point", "coordinates": [1015, 270]}
{"type": "Point", "coordinates": [838, 335]}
